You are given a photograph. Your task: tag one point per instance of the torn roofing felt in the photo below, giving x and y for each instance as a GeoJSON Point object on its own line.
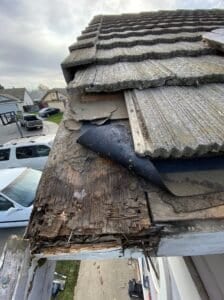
{"type": "Point", "coordinates": [180, 177]}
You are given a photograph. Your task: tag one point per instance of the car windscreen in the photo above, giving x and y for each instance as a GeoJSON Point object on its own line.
{"type": "Point", "coordinates": [30, 118]}
{"type": "Point", "coordinates": [23, 189]}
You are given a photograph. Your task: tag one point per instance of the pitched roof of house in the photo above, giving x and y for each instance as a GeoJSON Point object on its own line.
{"type": "Point", "coordinates": [170, 84]}
{"type": "Point", "coordinates": [7, 98]}
{"type": "Point", "coordinates": [16, 92]}
{"type": "Point", "coordinates": [37, 95]}
{"type": "Point", "coordinates": [63, 91]}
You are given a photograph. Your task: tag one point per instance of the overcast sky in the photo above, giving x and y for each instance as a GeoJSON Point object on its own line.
{"type": "Point", "coordinates": [35, 34]}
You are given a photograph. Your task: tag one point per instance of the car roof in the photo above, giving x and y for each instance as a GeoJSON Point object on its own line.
{"type": "Point", "coordinates": [7, 176]}
{"type": "Point", "coordinates": [30, 115]}
{"type": "Point", "coordinates": [32, 139]}
{"type": "Point", "coordinates": [26, 114]}
{"type": "Point", "coordinates": [43, 109]}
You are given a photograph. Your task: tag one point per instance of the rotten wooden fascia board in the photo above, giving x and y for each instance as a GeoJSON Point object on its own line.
{"type": "Point", "coordinates": [126, 247]}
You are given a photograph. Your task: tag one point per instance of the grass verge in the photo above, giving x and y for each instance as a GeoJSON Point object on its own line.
{"type": "Point", "coordinates": [69, 268]}
{"type": "Point", "coordinates": [55, 118]}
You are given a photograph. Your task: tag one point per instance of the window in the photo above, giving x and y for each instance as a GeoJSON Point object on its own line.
{"type": "Point", "coordinates": [23, 189]}
{"type": "Point", "coordinates": [32, 151]}
{"type": "Point", "coordinates": [4, 154]}
{"type": "Point", "coordinates": [42, 150]}
{"type": "Point", "coordinates": [25, 152]}
{"type": "Point", "coordinates": [4, 204]}
{"type": "Point", "coordinates": [30, 118]}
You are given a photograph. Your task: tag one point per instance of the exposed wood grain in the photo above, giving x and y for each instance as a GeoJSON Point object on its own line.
{"type": "Point", "coordinates": [82, 194]}
{"type": "Point", "coordinates": [140, 142]}
{"type": "Point", "coordinates": [109, 250]}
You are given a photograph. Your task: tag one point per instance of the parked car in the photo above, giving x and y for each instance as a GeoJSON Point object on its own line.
{"type": "Point", "coordinates": [17, 193]}
{"type": "Point", "coordinates": [31, 122]}
{"type": "Point", "coordinates": [48, 111]}
{"type": "Point", "coordinates": [26, 152]}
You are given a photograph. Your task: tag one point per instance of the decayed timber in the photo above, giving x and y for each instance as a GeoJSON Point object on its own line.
{"type": "Point", "coordinates": [88, 207]}
{"type": "Point", "coordinates": [86, 199]}
{"type": "Point", "coordinates": [22, 277]}
{"type": "Point", "coordinates": [109, 250]}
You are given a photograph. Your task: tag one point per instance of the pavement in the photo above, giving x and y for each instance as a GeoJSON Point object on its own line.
{"type": "Point", "coordinates": [10, 132]}
{"type": "Point", "coordinates": [105, 279]}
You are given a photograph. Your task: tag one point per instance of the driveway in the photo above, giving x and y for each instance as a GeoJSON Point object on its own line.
{"type": "Point", "coordinates": [105, 279]}
{"type": "Point", "coordinates": [11, 132]}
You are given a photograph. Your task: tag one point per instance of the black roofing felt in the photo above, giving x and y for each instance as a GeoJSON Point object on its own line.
{"type": "Point", "coordinates": [181, 177]}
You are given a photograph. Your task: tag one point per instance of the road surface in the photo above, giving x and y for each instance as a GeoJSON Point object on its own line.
{"type": "Point", "coordinates": [10, 132]}
{"type": "Point", "coordinates": [105, 279]}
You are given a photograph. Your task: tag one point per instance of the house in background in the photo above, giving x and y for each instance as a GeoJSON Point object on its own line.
{"type": "Point", "coordinates": [8, 103]}
{"type": "Point", "coordinates": [56, 97]}
{"type": "Point", "coordinates": [37, 95]}
{"type": "Point", "coordinates": [25, 100]}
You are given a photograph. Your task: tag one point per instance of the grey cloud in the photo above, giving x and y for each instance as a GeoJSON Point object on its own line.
{"type": "Point", "coordinates": [35, 35]}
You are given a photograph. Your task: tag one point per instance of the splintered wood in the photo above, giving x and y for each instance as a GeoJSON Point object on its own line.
{"type": "Point", "coordinates": [83, 197]}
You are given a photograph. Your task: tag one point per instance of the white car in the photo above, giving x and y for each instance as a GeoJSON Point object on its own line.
{"type": "Point", "coordinates": [17, 192]}
{"type": "Point", "coordinates": [26, 152]}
